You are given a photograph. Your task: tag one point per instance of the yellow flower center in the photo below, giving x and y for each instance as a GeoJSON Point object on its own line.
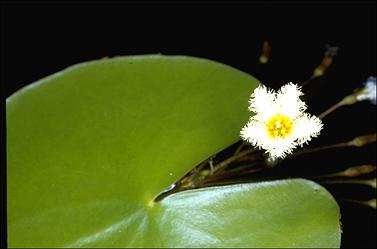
{"type": "Point", "coordinates": [279, 126]}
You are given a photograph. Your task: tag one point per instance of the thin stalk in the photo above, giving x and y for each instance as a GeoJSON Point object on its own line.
{"type": "Point", "coordinates": [356, 142]}
{"type": "Point", "coordinates": [230, 177]}
{"type": "Point", "coordinates": [370, 203]}
{"type": "Point", "coordinates": [331, 146]}
{"type": "Point", "coordinates": [220, 166]}
{"type": "Point", "coordinates": [348, 100]}
{"type": "Point", "coordinates": [322, 67]}
{"type": "Point", "coordinates": [350, 172]}
{"type": "Point", "coordinates": [240, 147]}
{"type": "Point", "coordinates": [330, 110]}
{"type": "Point", "coordinates": [369, 182]}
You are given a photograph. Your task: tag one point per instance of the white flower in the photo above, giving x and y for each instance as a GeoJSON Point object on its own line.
{"type": "Point", "coordinates": [369, 91]}
{"type": "Point", "coordinates": [279, 124]}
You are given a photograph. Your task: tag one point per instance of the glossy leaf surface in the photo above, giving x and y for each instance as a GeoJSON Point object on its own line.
{"type": "Point", "coordinates": [88, 148]}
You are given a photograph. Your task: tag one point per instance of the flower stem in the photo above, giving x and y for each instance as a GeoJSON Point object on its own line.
{"type": "Point", "coordinates": [369, 182]}
{"type": "Point", "coordinates": [240, 147]}
{"type": "Point", "coordinates": [331, 146]}
{"type": "Point", "coordinates": [370, 203]}
{"type": "Point", "coordinates": [350, 172]}
{"type": "Point", "coordinates": [357, 142]}
{"type": "Point", "coordinates": [330, 110]}
{"type": "Point", "coordinates": [321, 68]}
{"type": "Point", "coordinates": [220, 166]}
{"type": "Point", "coordinates": [348, 100]}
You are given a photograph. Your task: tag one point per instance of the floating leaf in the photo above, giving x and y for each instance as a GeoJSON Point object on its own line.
{"type": "Point", "coordinates": [90, 147]}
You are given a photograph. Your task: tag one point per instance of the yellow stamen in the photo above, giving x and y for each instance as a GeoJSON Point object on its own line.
{"type": "Point", "coordinates": [279, 126]}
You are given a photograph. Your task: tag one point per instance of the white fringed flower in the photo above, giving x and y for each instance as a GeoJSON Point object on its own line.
{"type": "Point", "coordinates": [280, 123]}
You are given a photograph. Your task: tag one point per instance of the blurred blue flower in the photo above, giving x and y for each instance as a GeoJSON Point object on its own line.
{"type": "Point", "coordinates": [369, 91]}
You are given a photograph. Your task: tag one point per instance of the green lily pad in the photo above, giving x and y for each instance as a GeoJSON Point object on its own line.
{"type": "Point", "coordinates": [90, 147]}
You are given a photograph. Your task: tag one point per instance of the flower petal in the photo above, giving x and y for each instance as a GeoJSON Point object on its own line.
{"type": "Point", "coordinates": [280, 147]}
{"type": "Point", "coordinates": [262, 103]}
{"type": "Point", "coordinates": [254, 132]}
{"type": "Point", "coordinates": [306, 127]}
{"type": "Point", "coordinates": [289, 102]}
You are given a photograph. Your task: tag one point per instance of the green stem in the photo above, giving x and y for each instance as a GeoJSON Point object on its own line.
{"type": "Point", "coordinates": [369, 182]}
{"type": "Point", "coordinates": [370, 203]}
{"type": "Point", "coordinates": [330, 110]}
{"type": "Point", "coordinates": [356, 142]}
{"type": "Point", "coordinates": [348, 100]}
{"type": "Point", "coordinates": [331, 146]}
{"type": "Point", "coordinates": [240, 147]}
{"type": "Point", "coordinates": [350, 172]}
{"type": "Point", "coordinates": [220, 166]}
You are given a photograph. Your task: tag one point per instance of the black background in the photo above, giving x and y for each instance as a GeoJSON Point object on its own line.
{"type": "Point", "coordinates": [41, 39]}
